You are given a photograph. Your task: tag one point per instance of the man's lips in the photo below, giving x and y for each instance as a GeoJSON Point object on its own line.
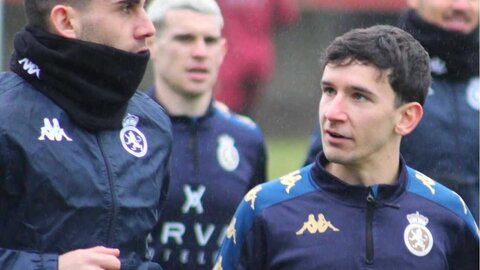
{"type": "Point", "coordinates": [198, 73]}
{"type": "Point", "coordinates": [335, 137]}
{"type": "Point", "coordinates": [457, 22]}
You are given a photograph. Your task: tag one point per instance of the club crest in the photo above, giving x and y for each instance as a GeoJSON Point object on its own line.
{"type": "Point", "coordinates": [133, 139]}
{"type": "Point", "coordinates": [417, 236]}
{"type": "Point", "coordinates": [473, 93]}
{"type": "Point", "coordinates": [227, 153]}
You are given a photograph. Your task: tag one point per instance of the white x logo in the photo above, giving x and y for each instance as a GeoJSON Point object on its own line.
{"type": "Point", "coordinates": [193, 199]}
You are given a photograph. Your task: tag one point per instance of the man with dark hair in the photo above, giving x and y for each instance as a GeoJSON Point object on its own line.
{"type": "Point", "coordinates": [445, 145]}
{"type": "Point", "coordinates": [217, 155]}
{"type": "Point", "coordinates": [84, 156]}
{"type": "Point", "coordinates": [358, 206]}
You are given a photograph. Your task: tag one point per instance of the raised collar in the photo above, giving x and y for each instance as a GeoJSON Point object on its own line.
{"type": "Point", "coordinates": [184, 118]}
{"type": "Point", "coordinates": [356, 194]}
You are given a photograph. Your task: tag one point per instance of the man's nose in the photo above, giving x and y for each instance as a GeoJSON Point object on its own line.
{"type": "Point", "coordinates": [336, 109]}
{"type": "Point", "coordinates": [146, 27]}
{"type": "Point", "coordinates": [199, 48]}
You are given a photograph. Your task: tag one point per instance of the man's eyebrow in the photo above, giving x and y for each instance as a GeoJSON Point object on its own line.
{"type": "Point", "coordinates": [352, 87]}
{"type": "Point", "coordinates": [129, 1]}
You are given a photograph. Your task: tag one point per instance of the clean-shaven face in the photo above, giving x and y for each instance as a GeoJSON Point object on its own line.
{"type": "Point", "coordinates": [453, 15]}
{"type": "Point", "coordinates": [357, 114]}
{"type": "Point", "coordinates": [122, 24]}
{"type": "Point", "coordinates": [189, 50]}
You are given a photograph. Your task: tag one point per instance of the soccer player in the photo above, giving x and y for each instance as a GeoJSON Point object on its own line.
{"type": "Point", "coordinates": [359, 205]}
{"type": "Point", "coordinates": [217, 155]}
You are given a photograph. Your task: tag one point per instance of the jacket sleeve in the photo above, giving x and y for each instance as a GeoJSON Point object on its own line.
{"type": "Point", "coordinates": [243, 246]}
{"type": "Point", "coordinates": [22, 260]}
{"type": "Point", "coordinates": [466, 253]}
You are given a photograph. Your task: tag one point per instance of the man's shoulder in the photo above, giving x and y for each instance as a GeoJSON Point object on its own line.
{"type": "Point", "coordinates": [143, 104]}
{"type": "Point", "coordinates": [241, 121]}
{"type": "Point", "coordinates": [10, 81]}
{"type": "Point", "coordinates": [431, 190]}
{"type": "Point", "coordinates": [16, 94]}
{"type": "Point", "coordinates": [288, 187]}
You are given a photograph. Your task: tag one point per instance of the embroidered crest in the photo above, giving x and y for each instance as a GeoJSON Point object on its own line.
{"type": "Point", "coordinates": [473, 93]}
{"type": "Point", "coordinates": [133, 139]}
{"type": "Point", "coordinates": [227, 153]}
{"type": "Point", "coordinates": [417, 236]}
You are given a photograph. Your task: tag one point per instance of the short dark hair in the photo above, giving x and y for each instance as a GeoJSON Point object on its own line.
{"type": "Point", "coordinates": [391, 50]}
{"type": "Point", "coordinates": [38, 11]}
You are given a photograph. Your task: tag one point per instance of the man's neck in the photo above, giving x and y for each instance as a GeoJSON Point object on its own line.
{"type": "Point", "coordinates": [368, 172]}
{"type": "Point", "coordinates": [177, 104]}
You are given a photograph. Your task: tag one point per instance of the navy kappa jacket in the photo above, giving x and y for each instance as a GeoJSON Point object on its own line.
{"type": "Point", "coordinates": [63, 188]}
{"type": "Point", "coordinates": [310, 219]}
{"type": "Point", "coordinates": [216, 159]}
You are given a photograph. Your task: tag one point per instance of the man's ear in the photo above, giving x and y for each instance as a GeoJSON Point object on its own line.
{"type": "Point", "coordinates": [409, 115]}
{"type": "Point", "coordinates": [224, 48]}
{"type": "Point", "coordinates": [63, 21]}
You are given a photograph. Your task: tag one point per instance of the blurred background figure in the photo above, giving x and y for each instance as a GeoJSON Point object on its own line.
{"type": "Point", "coordinates": [445, 144]}
{"type": "Point", "coordinates": [250, 60]}
{"type": "Point", "coordinates": [217, 155]}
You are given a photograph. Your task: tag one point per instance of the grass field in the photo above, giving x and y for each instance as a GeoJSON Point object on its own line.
{"type": "Point", "coordinates": [285, 154]}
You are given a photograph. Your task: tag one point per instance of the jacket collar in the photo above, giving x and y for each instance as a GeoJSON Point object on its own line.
{"type": "Point", "coordinates": [356, 194]}
{"type": "Point", "coordinates": [184, 118]}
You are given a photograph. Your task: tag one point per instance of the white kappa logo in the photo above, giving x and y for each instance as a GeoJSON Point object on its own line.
{"type": "Point", "coordinates": [133, 139]}
{"type": "Point", "coordinates": [30, 67]}
{"type": "Point", "coordinates": [52, 131]}
{"type": "Point", "coordinates": [227, 153]}
{"type": "Point", "coordinates": [417, 236]}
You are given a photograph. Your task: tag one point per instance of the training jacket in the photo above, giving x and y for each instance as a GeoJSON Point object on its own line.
{"type": "Point", "coordinates": [452, 152]}
{"type": "Point", "coordinates": [310, 219]}
{"type": "Point", "coordinates": [216, 159]}
{"type": "Point", "coordinates": [63, 188]}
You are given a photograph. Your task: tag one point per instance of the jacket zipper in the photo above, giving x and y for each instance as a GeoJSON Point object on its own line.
{"type": "Point", "coordinates": [193, 146]}
{"type": "Point", "coordinates": [113, 208]}
{"type": "Point", "coordinates": [368, 228]}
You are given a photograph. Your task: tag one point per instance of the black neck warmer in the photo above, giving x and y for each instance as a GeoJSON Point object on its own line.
{"type": "Point", "coordinates": [458, 51]}
{"type": "Point", "coordinates": [91, 82]}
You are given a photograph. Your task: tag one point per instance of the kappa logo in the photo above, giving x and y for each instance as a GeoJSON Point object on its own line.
{"type": "Point", "coordinates": [231, 232]}
{"type": "Point", "coordinates": [290, 180]}
{"type": "Point", "coordinates": [133, 139]}
{"type": "Point", "coordinates": [218, 265]}
{"type": "Point", "coordinates": [316, 226]}
{"type": "Point", "coordinates": [30, 67]}
{"type": "Point", "coordinates": [426, 181]}
{"type": "Point", "coordinates": [417, 236]}
{"type": "Point", "coordinates": [251, 196]}
{"type": "Point", "coordinates": [193, 199]}
{"type": "Point", "coordinates": [52, 131]}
